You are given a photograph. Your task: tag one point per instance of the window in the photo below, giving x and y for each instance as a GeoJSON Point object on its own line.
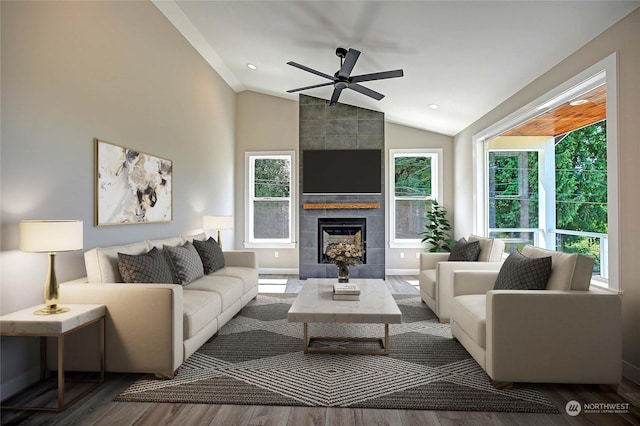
{"type": "Point", "coordinates": [415, 180]}
{"type": "Point", "coordinates": [269, 207]}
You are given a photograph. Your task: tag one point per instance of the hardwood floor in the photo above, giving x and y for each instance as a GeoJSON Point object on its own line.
{"type": "Point", "coordinates": [98, 408]}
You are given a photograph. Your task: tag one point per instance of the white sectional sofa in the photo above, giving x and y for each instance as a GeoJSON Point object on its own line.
{"type": "Point", "coordinates": [568, 333]}
{"type": "Point", "coordinates": [436, 273]}
{"type": "Point", "coordinates": [153, 328]}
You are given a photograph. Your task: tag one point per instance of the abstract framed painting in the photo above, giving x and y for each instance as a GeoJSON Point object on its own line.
{"type": "Point", "coordinates": [131, 186]}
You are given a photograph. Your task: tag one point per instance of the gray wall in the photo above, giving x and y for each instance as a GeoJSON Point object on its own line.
{"type": "Point", "coordinates": [340, 127]}
{"type": "Point", "coordinates": [119, 71]}
{"type": "Point", "coordinates": [623, 38]}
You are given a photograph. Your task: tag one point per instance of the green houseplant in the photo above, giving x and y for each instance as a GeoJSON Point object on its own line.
{"type": "Point", "coordinates": [437, 229]}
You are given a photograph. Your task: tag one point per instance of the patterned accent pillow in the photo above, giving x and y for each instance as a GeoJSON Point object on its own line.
{"type": "Point", "coordinates": [150, 267]}
{"type": "Point", "coordinates": [211, 255]}
{"type": "Point", "coordinates": [187, 265]}
{"type": "Point", "coordinates": [465, 251]}
{"type": "Point", "coordinates": [519, 272]}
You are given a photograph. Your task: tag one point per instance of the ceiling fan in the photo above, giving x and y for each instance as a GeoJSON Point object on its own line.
{"type": "Point", "coordinates": [342, 79]}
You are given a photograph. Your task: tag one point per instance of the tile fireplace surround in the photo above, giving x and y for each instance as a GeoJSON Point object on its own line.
{"type": "Point", "coordinates": [340, 127]}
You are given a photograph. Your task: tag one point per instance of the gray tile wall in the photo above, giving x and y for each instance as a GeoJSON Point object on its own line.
{"type": "Point", "coordinates": [340, 127]}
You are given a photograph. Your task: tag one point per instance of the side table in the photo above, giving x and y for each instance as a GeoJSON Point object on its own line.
{"type": "Point", "coordinates": [26, 323]}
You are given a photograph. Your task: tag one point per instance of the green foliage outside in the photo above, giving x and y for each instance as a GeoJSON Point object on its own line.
{"type": "Point", "coordinates": [581, 189]}
{"type": "Point", "coordinates": [271, 178]}
{"type": "Point", "coordinates": [413, 176]}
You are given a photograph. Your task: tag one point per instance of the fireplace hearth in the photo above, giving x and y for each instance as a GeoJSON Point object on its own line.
{"type": "Point", "coordinates": [334, 230]}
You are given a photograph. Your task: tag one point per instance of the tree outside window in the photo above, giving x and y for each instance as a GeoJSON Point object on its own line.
{"type": "Point", "coordinates": [270, 209]}
{"type": "Point", "coordinates": [414, 184]}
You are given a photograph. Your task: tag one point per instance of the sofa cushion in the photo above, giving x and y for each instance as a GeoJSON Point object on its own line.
{"type": "Point", "coordinates": [199, 308]}
{"type": "Point", "coordinates": [491, 249]}
{"type": "Point", "coordinates": [102, 263]}
{"type": "Point", "coordinates": [519, 272]}
{"type": "Point", "coordinates": [149, 267]}
{"type": "Point", "coordinates": [211, 255]}
{"type": "Point", "coordinates": [465, 251]}
{"type": "Point", "coordinates": [186, 262]}
{"type": "Point", "coordinates": [172, 241]}
{"type": "Point", "coordinates": [569, 271]}
{"type": "Point", "coordinates": [196, 237]}
{"type": "Point", "coordinates": [428, 282]}
{"type": "Point", "coordinates": [470, 313]}
{"type": "Point", "coordinates": [249, 276]}
{"type": "Point", "coordinates": [230, 289]}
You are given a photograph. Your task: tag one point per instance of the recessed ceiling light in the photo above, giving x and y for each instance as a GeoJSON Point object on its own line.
{"type": "Point", "coordinates": [578, 102]}
{"type": "Point", "coordinates": [252, 67]}
{"type": "Point", "coordinates": [433, 106]}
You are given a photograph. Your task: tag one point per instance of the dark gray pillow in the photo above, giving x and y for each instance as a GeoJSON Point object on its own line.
{"type": "Point", "coordinates": [150, 267]}
{"type": "Point", "coordinates": [211, 255]}
{"type": "Point", "coordinates": [186, 263]}
{"type": "Point", "coordinates": [519, 272]}
{"type": "Point", "coordinates": [465, 251]}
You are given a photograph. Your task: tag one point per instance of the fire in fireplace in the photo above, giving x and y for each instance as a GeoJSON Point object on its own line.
{"type": "Point", "coordinates": [333, 230]}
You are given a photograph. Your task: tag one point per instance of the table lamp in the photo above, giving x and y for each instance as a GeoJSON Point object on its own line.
{"type": "Point", "coordinates": [50, 236]}
{"type": "Point", "coordinates": [218, 223]}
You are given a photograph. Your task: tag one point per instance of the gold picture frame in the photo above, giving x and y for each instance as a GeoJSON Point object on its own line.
{"type": "Point", "coordinates": [131, 186]}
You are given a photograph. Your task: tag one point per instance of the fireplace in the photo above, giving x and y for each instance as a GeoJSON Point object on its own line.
{"type": "Point", "coordinates": [334, 230]}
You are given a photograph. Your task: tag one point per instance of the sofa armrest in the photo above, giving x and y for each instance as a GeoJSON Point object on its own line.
{"type": "Point", "coordinates": [143, 325]}
{"type": "Point", "coordinates": [444, 282]}
{"type": "Point", "coordinates": [473, 282]}
{"type": "Point", "coordinates": [244, 258]}
{"type": "Point", "coordinates": [429, 260]}
{"type": "Point", "coordinates": [554, 336]}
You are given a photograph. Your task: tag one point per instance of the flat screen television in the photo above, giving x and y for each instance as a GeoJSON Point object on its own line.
{"type": "Point", "coordinates": [348, 171]}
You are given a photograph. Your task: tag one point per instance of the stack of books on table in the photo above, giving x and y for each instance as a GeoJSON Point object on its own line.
{"type": "Point", "coordinates": [346, 291]}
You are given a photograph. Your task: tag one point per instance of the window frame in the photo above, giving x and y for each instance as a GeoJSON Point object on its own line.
{"type": "Point", "coordinates": [436, 155]}
{"type": "Point", "coordinates": [250, 241]}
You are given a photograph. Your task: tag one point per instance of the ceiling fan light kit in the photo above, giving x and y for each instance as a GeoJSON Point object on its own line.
{"type": "Point", "coordinates": [342, 79]}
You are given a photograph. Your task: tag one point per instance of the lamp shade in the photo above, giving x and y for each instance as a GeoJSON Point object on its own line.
{"type": "Point", "coordinates": [217, 222]}
{"type": "Point", "coordinates": [50, 235]}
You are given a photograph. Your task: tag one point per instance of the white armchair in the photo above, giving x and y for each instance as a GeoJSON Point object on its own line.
{"type": "Point", "coordinates": [565, 334]}
{"type": "Point", "coordinates": [436, 273]}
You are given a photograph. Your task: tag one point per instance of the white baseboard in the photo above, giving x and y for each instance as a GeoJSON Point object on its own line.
{"type": "Point", "coordinates": [401, 271]}
{"type": "Point", "coordinates": [631, 372]}
{"type": "Point", "coordinates": [278, 271]}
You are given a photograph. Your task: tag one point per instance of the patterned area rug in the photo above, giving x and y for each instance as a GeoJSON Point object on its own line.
{"type": "Point", "coordinates": [257, 359]}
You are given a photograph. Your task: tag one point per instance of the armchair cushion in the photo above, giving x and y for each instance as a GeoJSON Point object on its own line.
{"type": "Point", "coordinates": [470, 314]}
{"type": "Point", "coordinates": [465, 251]}
{"type": "Point", "coordinates": [491, 249]}
{"type": "Point", "coordinates": [520, 272]}
{"type": "Point", "coordinates": [569, 271]}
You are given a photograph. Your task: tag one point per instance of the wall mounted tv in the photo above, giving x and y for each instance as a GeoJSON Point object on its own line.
{"type": "Point", "coordinates": [348, 171]}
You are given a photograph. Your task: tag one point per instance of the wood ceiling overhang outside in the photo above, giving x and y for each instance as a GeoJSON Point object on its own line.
{"type": "Point", "coordinates": [566, 118]}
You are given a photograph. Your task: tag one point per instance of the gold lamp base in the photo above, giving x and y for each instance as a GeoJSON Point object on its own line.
{"type": "Point", "coordinates": [51, 294]}
{"type": "Point", "coordinates": [50, 310]}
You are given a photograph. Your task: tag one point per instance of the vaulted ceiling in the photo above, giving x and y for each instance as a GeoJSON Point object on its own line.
{"type": "Point", "coordinates": [464, 56]}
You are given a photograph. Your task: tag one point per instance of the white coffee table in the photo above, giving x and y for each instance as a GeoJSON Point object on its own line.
{"type": "Point", "coordinates": [315, 304]}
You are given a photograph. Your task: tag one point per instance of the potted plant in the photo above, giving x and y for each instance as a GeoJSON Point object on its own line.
{"type": "Point", "coordinates": [437, 229]}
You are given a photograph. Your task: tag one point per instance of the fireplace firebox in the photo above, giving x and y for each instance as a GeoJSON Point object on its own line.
{"type": "Point", "coordinates": [333, 230]}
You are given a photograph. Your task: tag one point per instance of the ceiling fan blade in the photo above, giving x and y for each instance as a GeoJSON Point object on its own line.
{"type": "Point", "coordinates": [366, 91]}
{"type": "Point", "coordinates": [376, 76]}
{"type": "Point", "coordinates": [335, 96]}
{"type": "Point", "coordinates": [311, 70]}
{"type": "Point", "coordinates": [349, 63]}
{"type": "Point", "coordinates": [310, 87]}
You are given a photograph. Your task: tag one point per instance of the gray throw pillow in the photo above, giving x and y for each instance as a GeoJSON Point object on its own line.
{"type": "Point", "coordinates": [186, 263]}
{"type": "Point", "coordinates": [465, 251]}
{"type": "Point", "coordinates": [519, 272]}
{"type": "Point", "coordinates": [211, 255]}
{"type": "Point", "coordinates": [150, 267]}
